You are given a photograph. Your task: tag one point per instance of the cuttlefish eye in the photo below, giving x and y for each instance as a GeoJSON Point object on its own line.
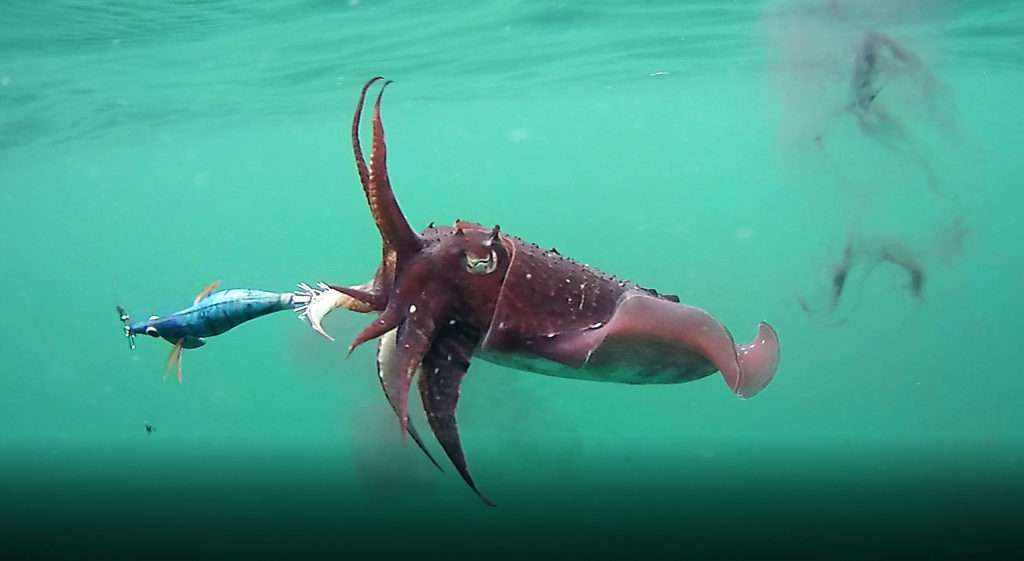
{"type": "Point", "coordinates": [151, 331]}
{"type": "Point", "coordinates": [481, 265]}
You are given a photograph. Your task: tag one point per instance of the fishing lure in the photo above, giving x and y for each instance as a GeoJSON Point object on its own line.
{"type": "Point", "coordinates": [210, 314]}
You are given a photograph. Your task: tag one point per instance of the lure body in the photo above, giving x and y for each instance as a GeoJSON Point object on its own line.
{"type": "Point", "coordinates": [213, 315]}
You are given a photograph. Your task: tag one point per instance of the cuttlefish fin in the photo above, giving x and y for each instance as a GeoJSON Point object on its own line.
{"type": "Point", "coordinates": [174, 360]}
{"type": "Point", "coordinates": [206, 292]}
{"type": "Point", "coordinates": [440, 380]}
{"type": "Point", "coordinates": [387, 360]}
{"type": "Point", "coordinates": [649, 333]}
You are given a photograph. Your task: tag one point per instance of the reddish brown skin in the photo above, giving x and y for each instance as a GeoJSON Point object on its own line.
{"type": "Point", "coordinates": [450, 292]}
{"type": "Point", "coordinates": [547, 296]}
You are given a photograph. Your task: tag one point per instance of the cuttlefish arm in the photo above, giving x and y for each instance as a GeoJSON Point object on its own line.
{"type": "Point", "coordinates": [445, 365]}
{"type": "Point", "coordinates": [390, 367]}
{"type": "Point", "coordinates": [324, 299]}
{"type": "Point", "coordinates": [371, 296]}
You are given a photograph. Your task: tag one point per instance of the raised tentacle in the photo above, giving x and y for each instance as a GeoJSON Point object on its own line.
{"type": "Point", "coordinates": [394, 229]}
{"type": "Point", "coordinates": [391, 222]}
{"type": "Point", "coordinates": [384, 278]}
{"type": "Point", "coordinates": [357, 150]}
{"type": "Point", "coordinates": [440, 380]}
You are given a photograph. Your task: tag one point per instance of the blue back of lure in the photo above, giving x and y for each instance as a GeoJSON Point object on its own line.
{"type": "Point", "coordinates": [212, 315]}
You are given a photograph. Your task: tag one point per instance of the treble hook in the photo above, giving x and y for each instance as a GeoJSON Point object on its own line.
{"type": "Point", "coordinates": [123, 316]}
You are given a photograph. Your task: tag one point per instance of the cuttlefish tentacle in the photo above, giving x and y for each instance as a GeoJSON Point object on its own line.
{"type": "Point", "coordinates": [386, 361]}
{"type": "Point", "coordinates": [398, 237]}
{"type": "Point", "coordinates": [415, 333]}
{"type": "Point", "coordinates": [357, 150]}
{"type": "Point", "coordinates": [444, 367]}
{"type": "Point", "coordinates": [389, 319]}
{"type": "Point", "coordinates": [381, 283]}
{"type": "Point", "coordinates": [394, 228]}
{"type": "Point", "coordinates": [414, 338]}
{"type": "Point", "coordinates": [390, 222]}
{"type": "Point", "coordinates": [360, 294]}
{"type": "Point", "coordinates": [406, 324]}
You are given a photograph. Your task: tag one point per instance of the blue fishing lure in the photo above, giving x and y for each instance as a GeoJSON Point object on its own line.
{"type": "Point", "coordinates": [212, 313]}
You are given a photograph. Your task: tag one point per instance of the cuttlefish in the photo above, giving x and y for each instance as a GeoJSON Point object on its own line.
{"type": "Point", "coordinates": [867, 253]}
{"type": "Point", "coordinates": [449, 294]}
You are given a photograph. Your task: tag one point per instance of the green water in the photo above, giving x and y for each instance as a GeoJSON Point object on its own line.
{"type": "Point", "coordinates": [148, 150]}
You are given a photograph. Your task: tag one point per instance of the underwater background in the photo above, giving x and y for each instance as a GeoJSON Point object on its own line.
{"type": "Point", "coordinates": [701, 148]}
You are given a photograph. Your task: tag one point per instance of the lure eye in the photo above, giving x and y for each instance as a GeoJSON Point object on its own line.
{"type": "Point", "coordinates": [481, 265]}
{"type": "Point", "coordinates": [151, 331]}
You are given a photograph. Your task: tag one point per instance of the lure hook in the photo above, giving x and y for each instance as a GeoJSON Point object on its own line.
{"type": "Point", "coordinates": [123, 316]}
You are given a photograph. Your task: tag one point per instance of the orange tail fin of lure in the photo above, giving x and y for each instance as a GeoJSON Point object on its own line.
{"type": "Point", "coordinates": [175, 359]}
{"type": "Point", "coordinates": [206, 292]}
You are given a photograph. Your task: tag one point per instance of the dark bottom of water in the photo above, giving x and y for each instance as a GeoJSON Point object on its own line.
{"type": "Point", "coordinates": [801, 502]}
